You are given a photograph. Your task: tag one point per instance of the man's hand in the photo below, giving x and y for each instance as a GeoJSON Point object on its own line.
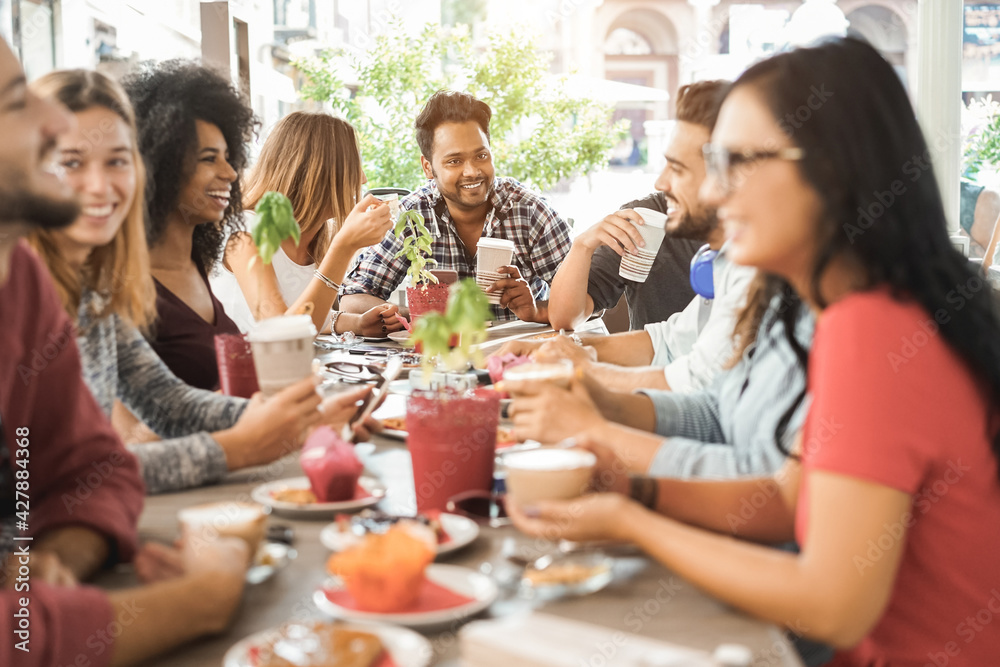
{"type": "Point", "coordinates": [544, 412]}
{"type": "Point", "coordinates": [564, 347]}
{"type": "Point", "coordinates": [617, 231]}
{"type": "Point", "coordinates": [516, 295]}
{"type": "Point", "coordinates": [79, 549]}
{"type": "Point", "coordinates": [43, 566]}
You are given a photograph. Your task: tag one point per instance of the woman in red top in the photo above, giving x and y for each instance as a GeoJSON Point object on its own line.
{"type": "Point", "coordinates": [822, 179]}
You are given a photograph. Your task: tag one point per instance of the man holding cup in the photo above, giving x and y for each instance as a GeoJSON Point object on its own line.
{"type": "Point", "coordinates": [685, 352]}
{"type": "Point", "coordinates": [464, 206]}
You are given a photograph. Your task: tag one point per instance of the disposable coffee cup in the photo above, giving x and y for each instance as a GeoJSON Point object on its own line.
{"type": "Point", "coordinates": [491, 254]}
{"type": "Point", "coordinates": [636, 266]}
{"type": "Point", "coordinates": [393, 200]}
{"type": "Point", "coordinates": [282, 351]}
{"type": "Point", "coordinates": [211, 521]}
{"type": "Point", "coordinates": [548, 473]}
{"type": "Point", "coordinates": [559, 373]}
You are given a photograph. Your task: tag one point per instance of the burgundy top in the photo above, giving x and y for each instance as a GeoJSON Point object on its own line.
{"type": "Point", "coordinates": [80, 473]}
{"type": "Point", "coordinates": [185, 341]}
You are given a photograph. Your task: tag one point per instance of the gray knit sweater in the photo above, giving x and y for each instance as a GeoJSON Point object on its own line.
{"type": "Point", "coordinates": [727, 430]}
{"type": "Point", "coordinates": [119, 363]}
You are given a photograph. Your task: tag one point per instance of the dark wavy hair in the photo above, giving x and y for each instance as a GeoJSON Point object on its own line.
{"type": "Point", "coordinates": [448, 106]}
{"type": "Point", "coordinates": [168, 98]}
{"type": "Point", "coordinates": [845, 106]}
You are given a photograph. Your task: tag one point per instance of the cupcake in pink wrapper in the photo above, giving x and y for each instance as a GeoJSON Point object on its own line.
{"type": "Point", "coordinates": [331, 465]}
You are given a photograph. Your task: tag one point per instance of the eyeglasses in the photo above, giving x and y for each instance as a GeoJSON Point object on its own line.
{"type": "Point", "coordinates": [729, 168]}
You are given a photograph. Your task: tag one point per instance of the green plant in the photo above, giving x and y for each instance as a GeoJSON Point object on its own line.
{"type": "Point", "coordinates": [982, 144]}
{"type": "Point", "coordinates": [452, 337]}
{"type": "Point", "coordinates": [275, 223]}
{"type": "Point", "coordinates": [416, 247]}
{"type": "Point", "coordinates": [539, 133]}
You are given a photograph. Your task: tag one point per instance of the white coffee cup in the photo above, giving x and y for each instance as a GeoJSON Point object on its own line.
{"type": "Point", "coordinates": [548, 473]}
{"type": "Point", "coordinates": [211, 521]}
{"type": "Point", "coordinates": [636, 266]}
{"type": "Point", "coordinates": [491, 254]}
{"type": "Point", "coordinates": [282, 351]}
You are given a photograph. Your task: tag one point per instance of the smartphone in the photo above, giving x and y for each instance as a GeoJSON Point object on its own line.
{"type": "Point", "coordinates": [373, 350]}
{"type": "Point", "coordinates": [378, 393]}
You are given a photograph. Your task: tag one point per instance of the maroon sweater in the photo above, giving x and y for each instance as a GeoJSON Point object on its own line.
{"type": "Point", "coordinates": [79, 472]}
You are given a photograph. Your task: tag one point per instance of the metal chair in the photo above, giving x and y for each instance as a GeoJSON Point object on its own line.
{"type": "Point", "coordinates": [380, 192]}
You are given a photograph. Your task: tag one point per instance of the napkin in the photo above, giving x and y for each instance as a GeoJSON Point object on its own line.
{"type": "Point", "coordinates": [543, 640]}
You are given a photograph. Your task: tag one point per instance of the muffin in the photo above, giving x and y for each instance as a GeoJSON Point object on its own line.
{"type": "Point", "coordinates": [385, 572]}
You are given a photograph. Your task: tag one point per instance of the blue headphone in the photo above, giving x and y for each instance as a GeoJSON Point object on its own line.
{"type": "Point", "coordinates": [701, 272]}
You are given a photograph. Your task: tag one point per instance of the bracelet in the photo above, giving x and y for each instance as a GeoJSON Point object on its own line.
{"type": "Point", "coordinates": [334, 316]}
{"type": "Point", "coordinates": [644, 490]}
{"type": "Point", "coordinates": [326, 281]}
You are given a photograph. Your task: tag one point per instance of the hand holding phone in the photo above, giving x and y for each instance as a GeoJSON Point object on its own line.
{"type": "Point", "coordinates": [376, 397]}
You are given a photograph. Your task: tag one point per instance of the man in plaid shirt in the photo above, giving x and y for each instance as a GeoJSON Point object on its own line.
{"type": "Point", "coordinates": [464, 202]}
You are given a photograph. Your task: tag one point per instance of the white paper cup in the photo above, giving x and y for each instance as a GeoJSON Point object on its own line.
{"type": "Point", "coordinates": [636, 266]}
{"type": "Point", "coordinates": [548, 473]}
{"type": "Point", "coordinates": [211, 521]}
{"type": "Point", "coordinates": [491, 254]}
{"type": "Point", "coordinates": [486, 278]}
{"type": "Point", "coordinates": [282, 351]}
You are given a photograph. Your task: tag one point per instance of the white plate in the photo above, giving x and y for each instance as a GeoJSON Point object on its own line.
{"type": "Point", "coordinates": [407, 648]}
{"type": "Point", "coordinates": [461, 530]}
{"type": "Point", "coordinates": [262, 494]}
{"type": "Point", "coordinates": [461, 580]}
{"type": "Point", "coordinates": [400, 336]}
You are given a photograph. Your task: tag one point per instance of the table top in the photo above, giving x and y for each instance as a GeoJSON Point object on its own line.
{"type": "Point", "coordinates": [645, 598]}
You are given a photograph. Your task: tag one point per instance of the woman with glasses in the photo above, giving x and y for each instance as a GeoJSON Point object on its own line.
{"type": "Point", "coordinates": [893, 490]}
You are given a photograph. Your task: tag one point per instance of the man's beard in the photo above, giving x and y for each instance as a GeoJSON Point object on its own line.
{"type": "Point", "coordinates": [18, 204]}
{"type": "Point", "coordinates": [695, 226]}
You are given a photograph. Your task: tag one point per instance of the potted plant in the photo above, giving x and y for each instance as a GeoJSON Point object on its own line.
{"type": "Point", "coordinates": [452, 423]}
{"type": "Point", "coordinates": [283, 344]}
{"type": "Point", "coordinates": [425, 293]}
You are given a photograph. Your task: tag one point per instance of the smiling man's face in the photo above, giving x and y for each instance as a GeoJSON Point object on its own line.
{"type": "Point", "coordinates": [30, 189]}
{"type": "Point", "coordinates": [462, 165]}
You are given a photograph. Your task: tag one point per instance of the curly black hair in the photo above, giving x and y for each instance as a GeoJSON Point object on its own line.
{"type": "Point", "coordinates": [168, 98]}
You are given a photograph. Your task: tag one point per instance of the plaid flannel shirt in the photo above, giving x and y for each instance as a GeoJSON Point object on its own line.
{"type": "Point", "coordinates": [540, 236]}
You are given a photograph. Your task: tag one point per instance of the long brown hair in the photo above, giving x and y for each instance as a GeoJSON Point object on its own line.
{"type": "Point", "coordinates": [314, 160]}
{"type": "Point", "coordinates": [119, 270]}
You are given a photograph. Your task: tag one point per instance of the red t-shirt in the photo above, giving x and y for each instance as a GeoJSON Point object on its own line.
{"type": "Point", "coordinates": [894, 405]}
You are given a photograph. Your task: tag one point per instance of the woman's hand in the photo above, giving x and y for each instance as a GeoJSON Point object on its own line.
{"type": "Point", "coordinates": [379, 321]}
{"type": "Point", "coordinates": [339, 408]}
{"type": "Point", "coordinates": [547, 413]}
{"type": "Point", "coordinates": [271, 428]}
{"type": "Point", "coordinates": [593, 517]}
{"type": "Point", "coordinates": [365, 227]}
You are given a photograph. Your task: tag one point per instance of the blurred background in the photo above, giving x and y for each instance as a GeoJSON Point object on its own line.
{"type": "Point", "coordinates": [583, 88]}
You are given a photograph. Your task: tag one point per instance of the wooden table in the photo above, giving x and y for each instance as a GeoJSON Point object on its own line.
{"type": "Point", "coordinates": [644, 598]}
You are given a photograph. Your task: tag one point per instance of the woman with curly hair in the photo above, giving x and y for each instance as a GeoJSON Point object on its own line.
{"type": "Point", "coordinates": [100, 266]}
{"type": "Point", "coordinates": [193, 130]}
{"type": "Point", "coordinates": [313, 159]}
